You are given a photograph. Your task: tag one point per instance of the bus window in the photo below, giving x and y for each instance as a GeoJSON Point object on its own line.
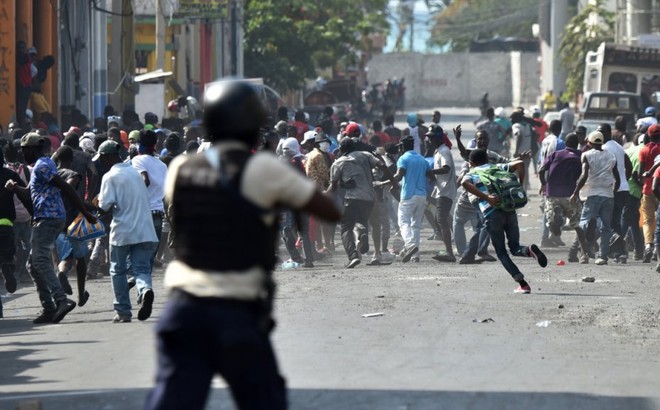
{"type": "Point", "coordinates": [622, 82]}
{"type": "Point", "coordinates": [650, 86]}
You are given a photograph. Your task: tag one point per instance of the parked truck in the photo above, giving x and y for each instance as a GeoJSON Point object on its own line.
{"type": "Point", "coordinates": [622, 68]}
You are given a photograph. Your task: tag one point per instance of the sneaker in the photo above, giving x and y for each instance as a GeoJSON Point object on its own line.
{"type": "Point", "coordinates": [487, 257]}
{"type": "Point", "coordinates": [46, 316]}
{"type": "Point", "coordinates": [444, 258]}
{"type": "Point", "coordinates": [308, 264]}
{"type": "Point", "coordinates": [469, 261]}
{"type": "Point", "coordinates": [353, 263]}
{"type": "Point", "coordinates": [9, 278]}
{"type": "Point", "coordinates": [540, 257]}
{"type": "Point", "coordinates": [63, 307]}
{"type": "Point", "coordinates": [121, 319]}
{"type": "Point", "coordinates": [525, 289]}
{"type": "Point", "coordinates": [363, 243]}
{"type": "Point", "coordinates": [601, 261]}
{"type": "Point", "coordinates": [573, 259]}
{"type": "Point", "coordinates": [408, 253]}
{"type": "Point", "coordinates": [657, 268]}
{"type": "Point", "coordinates": [131, 282]}
{"type": "Point", "coordinates": [64, 282]}
{"type": "Point", "coordinates": [147, 303]}
{"type": "Point", "coordinates": [415, 259]}
{"type": "Point", "coordinates": [584, 259]}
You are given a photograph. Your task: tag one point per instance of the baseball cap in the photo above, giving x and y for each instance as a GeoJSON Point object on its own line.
{"type": "Point", "coordinates": [281, 126]}
{"type": "Point", "coordinates": [650, 110]}
{"type": "Point", "coordinates": [407, 138]}
{"type": "Point", "coordinates": [654, 130]}
{"type": "Point", "coordinates": [115, 119]}
{"type": "Point", "coordinates": [32, 50]}
{"type": "Point", "coordinates": [108, 147]}
{"type": "Point", "coordinates": [309, 136]}
{"type": "Point", "coordinates": [31, 139]}
{"type": "Point", "coordinates": [435, 131]}
{"type": "Point", "coordinates": [133, 136]}
{"type": "Point", "coordinates": [352, 129]}
{"type": "Point", "coordinates": [596, 137]}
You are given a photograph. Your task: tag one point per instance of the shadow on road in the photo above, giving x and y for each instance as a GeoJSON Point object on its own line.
{"type": "Point", "coordinates": [315, 399]}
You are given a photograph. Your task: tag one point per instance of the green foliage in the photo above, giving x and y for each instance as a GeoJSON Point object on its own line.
{"type": "Point", "coordinates": [286, 41]}
{"type": "Point", "coordinates": [584, 32]}
{"type": "Point", "coordinates": [466, 20]}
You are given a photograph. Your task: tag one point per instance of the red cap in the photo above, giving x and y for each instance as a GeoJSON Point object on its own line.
{"type": "Point", "coordinates": [653, 131]}
{"type": "Point", "coordinates": [353, 130]}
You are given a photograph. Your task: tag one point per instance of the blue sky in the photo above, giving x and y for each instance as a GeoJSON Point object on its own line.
{"type": "Point", "coordinates": [421, 31]}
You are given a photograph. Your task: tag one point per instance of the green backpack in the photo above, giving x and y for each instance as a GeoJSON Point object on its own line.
{"type": "Point", "coordinates": [505, 185]}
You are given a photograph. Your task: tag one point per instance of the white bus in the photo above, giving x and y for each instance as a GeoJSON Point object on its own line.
{"type": "Point", "coordinates": [615, 67]}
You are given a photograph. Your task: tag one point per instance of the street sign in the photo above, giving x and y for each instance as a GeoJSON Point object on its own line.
{"type": "Point", "coordinates": [207, 9]}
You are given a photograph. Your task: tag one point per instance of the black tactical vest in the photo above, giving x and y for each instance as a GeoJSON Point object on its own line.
{"type": "Point", "coordinates": [215, 227]}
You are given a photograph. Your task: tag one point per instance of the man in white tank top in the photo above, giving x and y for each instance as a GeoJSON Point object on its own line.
{"type": "Point", "coordinates": [596, 187]}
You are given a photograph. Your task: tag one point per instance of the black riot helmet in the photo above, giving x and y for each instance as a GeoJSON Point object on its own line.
{"type": "Point", "coordinates": [233, 111]}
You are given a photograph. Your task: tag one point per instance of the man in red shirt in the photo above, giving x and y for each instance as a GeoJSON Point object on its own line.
{"type": "Point", "coordinates": [649, 202]}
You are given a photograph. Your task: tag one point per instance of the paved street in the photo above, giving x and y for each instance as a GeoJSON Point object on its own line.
{"type": "Point", "coordinates": [428, 350]}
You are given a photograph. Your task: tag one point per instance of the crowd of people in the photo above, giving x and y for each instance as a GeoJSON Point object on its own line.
{"type": "Point", "coordinates": [386, 180]}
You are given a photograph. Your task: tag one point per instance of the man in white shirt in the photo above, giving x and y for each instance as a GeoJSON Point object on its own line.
{"type": "Point", "coordinates": [444, 192]}
{"type": "Point", "coordinates": [132, 234]}
{"type": "Point", "coordinates": [596, 187]}
{"type": "Point", "coordinates": [567, 118]}
{"type": "Point", "coordinates": [153, 172]}
{"type": "Point", "coordinates": [624, 168]}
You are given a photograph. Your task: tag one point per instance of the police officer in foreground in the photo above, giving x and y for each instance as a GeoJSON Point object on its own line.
{"type": "Point", "coordinates": [222, 204]}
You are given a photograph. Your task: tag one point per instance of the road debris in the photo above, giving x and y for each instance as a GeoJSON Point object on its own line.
{"type": "Point", "coordinates": [373, 314]}
{"type": "Point", "coordinates": [589, 279]}
{"type": "Point", "coordinates": [543, 323]}
{"type": "Point", "coordinates": [489, 320]}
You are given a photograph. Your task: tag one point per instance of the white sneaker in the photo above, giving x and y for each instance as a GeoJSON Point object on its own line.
{"type": "Point", "coordinates": [601, 261]}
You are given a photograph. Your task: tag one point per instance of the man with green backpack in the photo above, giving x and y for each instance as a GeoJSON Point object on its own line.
{"type": "Point", "coordinates": [498, 189]}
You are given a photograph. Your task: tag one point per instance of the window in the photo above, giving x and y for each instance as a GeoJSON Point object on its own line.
{"type": "Point", "coordinates": [622, 82]}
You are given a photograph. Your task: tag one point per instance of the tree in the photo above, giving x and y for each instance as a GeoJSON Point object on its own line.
{"type": "Point", "coordinates": [584, 32]}
{"type": "Point", "coordinates": [463, 21]}
{"type": "Point", "coordinates": [286, 41]}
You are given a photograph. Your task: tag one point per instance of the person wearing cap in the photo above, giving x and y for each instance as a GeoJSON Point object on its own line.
{"type": "Point", "coordinates": [133, 238]}
{"type": "Point", "coordinates": [307, 142]}
{"type": "Point", "coordinates": [153, 172]}
{"type": "Point", "coordinates": [445, 189]}
{"type": "Point", "coordinates": [317, 168]}
{"type": "Point", "coordinates": [496, 132]}
{"type": "Point", "coordinates": [648, 119]}
{"type": "Point", "coordinates": [595, 188]}
{"type": "Point", "coordinates": [647, 155]}
{"type": "Point", "coordinates": [46, 189]}
{"type": "Point", "coordinates": [581, 132]}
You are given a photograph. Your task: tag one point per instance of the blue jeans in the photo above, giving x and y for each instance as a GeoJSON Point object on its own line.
{"type": "Point", "coordinates": [599, 208]}
{"type": "Point", "coordinates": [22, 238]}
{"type": "Point", "coordinates": [40, 264]}
{"type": "Point", "coordinates": [199, 338]}
{"type": "Point", "coordinates": [503, 226]}
{"type": "Point", "coordinates": [479, 241]}
{"type": "Point", "coordinates": [140, 256]}
{"type": "Point", "coordinates": [657, 227]}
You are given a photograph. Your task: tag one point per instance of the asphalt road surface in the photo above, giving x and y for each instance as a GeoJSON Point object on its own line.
{"type": "Point", "coordinates": [450, 337]}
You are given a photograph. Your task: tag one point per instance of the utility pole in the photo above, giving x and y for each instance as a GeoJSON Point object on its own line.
{"type": "Point", "coordinates": [122, 56]}
{"type": "Point", "coordinates": [234, 37]}
{"type": "Point", "coordinates": [160, 36]}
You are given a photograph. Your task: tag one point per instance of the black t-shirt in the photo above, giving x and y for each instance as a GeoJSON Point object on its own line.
{"type": "Point", "coordinates": [7, 210]}
{"type": "Point", "coordinates": [71, 210]}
